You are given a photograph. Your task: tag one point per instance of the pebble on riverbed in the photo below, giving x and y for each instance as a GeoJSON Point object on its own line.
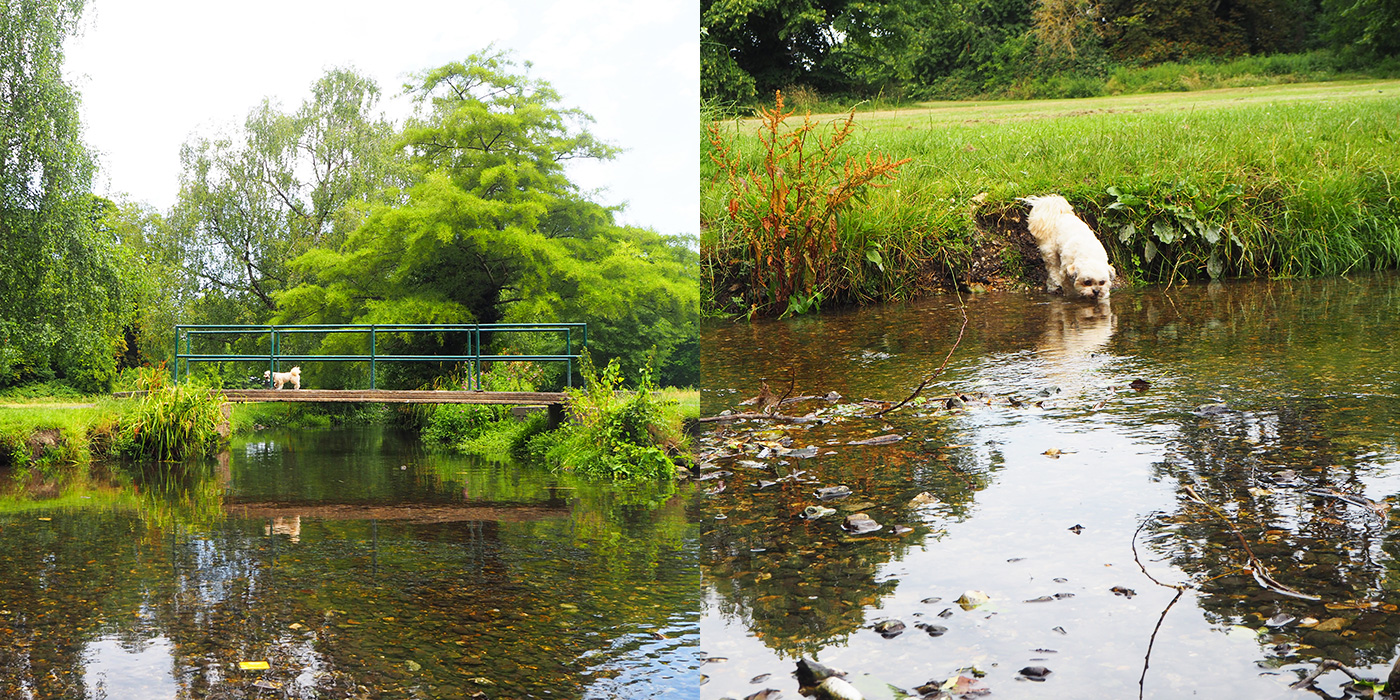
{"type": "Point", "coordinates": [810, 672]}
{"type": "Point", "coordinates": [889, 629]}
{"type": "Point", "coordinates": [860, 524]}
{"type": "Point", "coordinates": [837, 689]}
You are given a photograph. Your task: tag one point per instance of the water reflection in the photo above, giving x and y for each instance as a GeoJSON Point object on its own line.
{"type": "Point", "coordinates": [354, 565]}
{"type": "Point", "coordinates": [1044, 475]}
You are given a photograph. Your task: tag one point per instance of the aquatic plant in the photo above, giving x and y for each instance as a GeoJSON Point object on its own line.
{"type": "Point", "coordinates": [172, 421]}
{"type": "Point", "coordinates": [779, 246]}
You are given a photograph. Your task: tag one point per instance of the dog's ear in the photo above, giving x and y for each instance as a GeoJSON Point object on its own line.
{"type": "Point", "coordinates": [1112, 275]}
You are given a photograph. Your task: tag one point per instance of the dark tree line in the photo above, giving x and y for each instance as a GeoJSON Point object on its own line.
{"type": "Point", "coordinates": [949, 47]}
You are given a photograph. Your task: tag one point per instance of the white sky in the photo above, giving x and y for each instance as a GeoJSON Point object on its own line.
{"type": "Point", "coordinates": [152, 73]}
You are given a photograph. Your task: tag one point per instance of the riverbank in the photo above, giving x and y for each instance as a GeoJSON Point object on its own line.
{"type": "Point", "coordinates": [54, 433]}
{"type": "Point", "coordinates": [1287, 180]}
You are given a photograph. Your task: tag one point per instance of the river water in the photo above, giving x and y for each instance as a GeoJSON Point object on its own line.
{"type": "Point", "coordinates": [353, 564]}
{"type": "Point", "coordinates": [1249, 469]}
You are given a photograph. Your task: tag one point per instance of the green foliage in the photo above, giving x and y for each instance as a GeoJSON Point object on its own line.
{"type": "Point", "coordinates": [1363, 31]}
{"type": "Point", "coordinates": [492, 230]}
{"type": "Point", "coordinates": [1179, 226]}
{"type": "Point", "coordinates": [780, 249]}
{"type": "Point", "coordinates": [286, 183]}
{"type": "Point", "coordinates": [62, 300]}
{"type": "Point", "coordinates": [172, 421]}
{"type": "Point", "coordinates": [611, 434]}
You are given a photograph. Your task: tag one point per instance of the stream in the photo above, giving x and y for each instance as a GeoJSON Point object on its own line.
{"type": "Point", "coordinates": [1082, 466]}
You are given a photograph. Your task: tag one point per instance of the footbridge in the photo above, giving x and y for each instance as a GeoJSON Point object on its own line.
{"type": "Point", "coordinates": [277, 348]}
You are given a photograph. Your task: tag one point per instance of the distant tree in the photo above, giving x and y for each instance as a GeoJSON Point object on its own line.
{"type": "Point", "coordinates": [61, 291]}
{"type": "Point", "coordinates": [1152, 31]}
{"type": "Point", "coordinates": [776, 43]}
{"type": "Point", "coordinates": [1364, 30]}
{"type": "Point", "coordinates": [251, 203]}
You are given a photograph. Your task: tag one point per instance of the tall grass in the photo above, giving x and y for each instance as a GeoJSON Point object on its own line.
{"type": "Point", "coordinates": [1295, 181]}
{"type": "Point", "coordinates": [172, 421]}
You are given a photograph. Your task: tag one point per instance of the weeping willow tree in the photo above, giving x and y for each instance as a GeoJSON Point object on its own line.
{"type": "Point", "coordinates": [61, 275]}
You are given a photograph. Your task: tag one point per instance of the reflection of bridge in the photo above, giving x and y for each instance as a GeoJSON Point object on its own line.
{"type": "Point", "coordinates": [410, 512]}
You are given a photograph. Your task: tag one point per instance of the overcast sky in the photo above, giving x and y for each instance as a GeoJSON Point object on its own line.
{"type": "Point", "coordinates": [154, 72]}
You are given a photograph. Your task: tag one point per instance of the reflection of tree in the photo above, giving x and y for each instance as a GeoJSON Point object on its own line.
{"type": "Point", "coordinates": [1266, 472]}
{"type": "Point", "coordinates": [440, 609]}
{"type": "Point", "coordinates": [802, 585]}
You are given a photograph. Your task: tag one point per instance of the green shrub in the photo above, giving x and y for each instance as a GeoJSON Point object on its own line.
{"type": "Point", "coordinates": [172, 422]}
{"type": "Point", "coordinates": [611, 433]}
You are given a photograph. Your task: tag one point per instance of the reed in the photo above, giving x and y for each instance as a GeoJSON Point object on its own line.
{"type": "Point", "coordinates": [1281, 181]}
{"type": "Point", "coordinates": [172, 421]}
{"type": "Point", "coordinates": [779, 242]}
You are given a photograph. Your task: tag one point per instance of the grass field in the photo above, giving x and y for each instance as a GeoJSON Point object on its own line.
{"type": "Point", "coordinates": [1288, 180]}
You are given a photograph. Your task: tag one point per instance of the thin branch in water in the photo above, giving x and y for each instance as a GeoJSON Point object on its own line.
{"type": "Point", "coordinates": [929, 379]}
{"type": "Point", "coordinates": [1147, 659]}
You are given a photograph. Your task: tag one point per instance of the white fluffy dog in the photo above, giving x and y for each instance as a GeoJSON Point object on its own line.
{"type": "Point", "coordinates": [281, 378]}
{"type": "Point", "coordinates": [1075, 261]}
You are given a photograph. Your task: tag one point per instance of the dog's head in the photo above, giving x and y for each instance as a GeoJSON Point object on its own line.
{"type": "Point", "coordinates": [267, 374]}
{"type": "Point", "coordinates": [1091, 281]}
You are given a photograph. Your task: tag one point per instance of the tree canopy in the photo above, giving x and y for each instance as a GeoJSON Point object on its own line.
{"type": "Point", "coordinates": [492, 230]}
{"type": "Point", "coordinates": [953, 48]}
{"type": "Point", "coordinates": [62, 291]}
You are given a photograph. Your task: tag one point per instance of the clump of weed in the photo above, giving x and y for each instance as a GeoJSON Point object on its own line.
{"type": "Point", "coordinates": [611, 433]}
{"type": "Point", "coordinates": [778, 249]}
{"type": "Point", "coordinates": [173, 421]}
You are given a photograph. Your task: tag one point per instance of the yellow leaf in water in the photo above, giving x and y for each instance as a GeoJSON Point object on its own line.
{"type": "Point", "coordinates": [1352, 605]}
{"type": "Point", "coordinates": [253, 666]}
{"type": "Point", "coordinates": [46, 519]}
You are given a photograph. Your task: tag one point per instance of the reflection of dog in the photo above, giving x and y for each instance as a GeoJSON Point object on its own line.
{"type": "Point", "coordinates": [280, 378]}
{"type": "Point", "coordinates": [1074, 334]}
{"type": "Point", "coordinates": [1075, 261]}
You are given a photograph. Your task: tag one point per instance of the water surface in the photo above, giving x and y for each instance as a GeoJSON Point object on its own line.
{"type": "Point", "coordinates": [1261, 437]}
{"type": "Point", "coordinates": [355, 565]}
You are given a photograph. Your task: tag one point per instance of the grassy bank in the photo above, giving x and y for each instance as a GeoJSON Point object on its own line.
{"type": "Point", "coordinates": [608, 432]}
{"type": "Point", "coordinates": [1288, 180]}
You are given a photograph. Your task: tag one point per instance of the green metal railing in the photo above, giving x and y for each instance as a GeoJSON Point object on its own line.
{"type": "Point", "coordinates": [186, 334]}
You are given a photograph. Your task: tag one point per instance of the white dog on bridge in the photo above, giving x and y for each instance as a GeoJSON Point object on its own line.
{"type": "Point", "coordinates": [1075, 261]}
{"type": "Point", "coordinates": [281, 378]}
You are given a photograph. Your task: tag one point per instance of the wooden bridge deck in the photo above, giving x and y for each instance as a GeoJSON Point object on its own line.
{"type": "Point", "coordinates": [527, 398]}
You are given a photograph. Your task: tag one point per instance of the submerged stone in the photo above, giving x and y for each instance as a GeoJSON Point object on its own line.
{"type": "Point", "coordinates": [889, 628]}
{"type": "Point", "coordinates": [837, 689]}
{"type": "Point", "coordinates": [810, 672]}
{"type": "Point", "coordinates": [860, 524]}
{"type": "Point", "coordinates": [1035, 673]}
{"type": "Point", "coordinates": [831, 493]}
{"type": "Point", "coordinates": [972, 599]}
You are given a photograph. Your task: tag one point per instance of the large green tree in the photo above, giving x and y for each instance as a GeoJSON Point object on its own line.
{"type": "Point", "coordinates": [286, 183]}
{"type": "Point", "coordinates": [61, 291]}
{"type": "Point", "coordinates": [493, 230]}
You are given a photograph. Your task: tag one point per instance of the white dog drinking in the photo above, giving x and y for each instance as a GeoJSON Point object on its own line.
{"type": "Point", "coordinates": [281, 378]}
{"type": "Point", "coordinates": [1075, 261]}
